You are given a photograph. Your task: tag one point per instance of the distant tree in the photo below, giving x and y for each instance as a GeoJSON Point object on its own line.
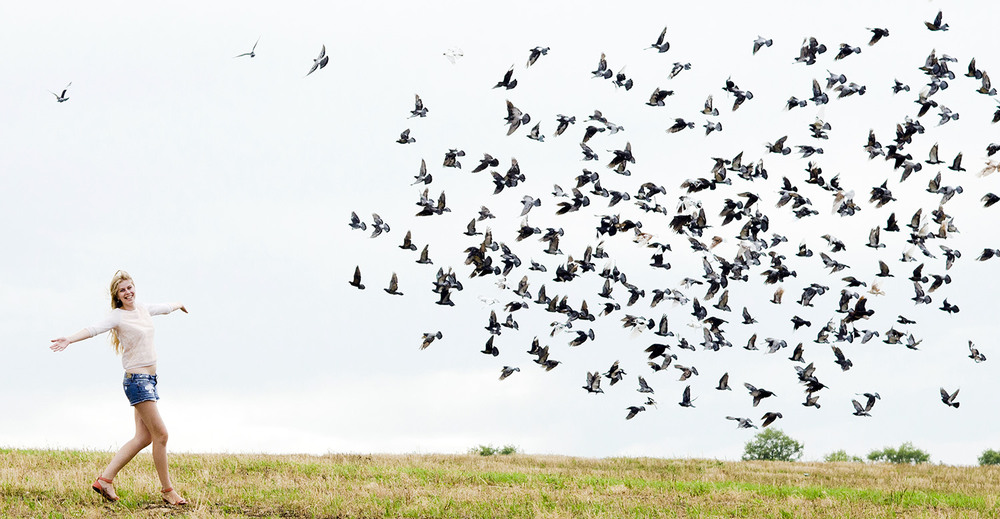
{"type": "Point", "coordinates": [989, 457]}
{"type": "Point", "coordinates": [906, 453]}
{"type": "Point", "coordinates": [507, 450]}
{"type": "Point", "coordinates": [842, 455]}
{"type": "Point", "coordinates": [489, 450]}
{"type": "Point", "coordinates": [483, 450]}
{"type": "Point", "coordinates": [772, 445]}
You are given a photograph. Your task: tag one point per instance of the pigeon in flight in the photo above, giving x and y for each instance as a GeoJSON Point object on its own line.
{"type": "Point", "coordinates": [320, 61]}
{"type": "Point", "coordinates": [936, 24]}
{"type": "Point", "coordinates": [356, 222]}
{"type": "Point", "coordinates": [252, 52]}
{"type": "Point", "coordinates": [428, 338]}
{"type": "Point", "coordinates": [949, 399]}
{"type": "Point", "coordinates": [633, 410]}
{"type": "Point", "coordinates": [62, 97]}
{"type": "Point", "coordinates": [536, 53]}
{"type": "Point", "coordinates": [742, 423]}
{"type": "Point", "coordinates": [507, 82]}
{"type": "Point", "coordinates": [508, 370]}
{"type": "Point", "coordinates": [769, 418]}
{"type": "Point", "coordinates": [686, 398]}
{"type": "Point", "coordinates": [515, 118]}
{"type": "Point", "coordinates": [393, 286]}
{"type": "Point", "coordinates": [418, 107]}
{"type": "Point", "coordinates": [761, 42]}
{"type": "Point", "coordinates": [661, 44]}
{"type": "Point", "coordinates": [356, 280]}
{"type": "Point", "coordinates": [453, 54]}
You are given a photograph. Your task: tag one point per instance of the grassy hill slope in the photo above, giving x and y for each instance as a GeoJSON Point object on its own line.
{"type": "Point", "coordinates": [57, 484]}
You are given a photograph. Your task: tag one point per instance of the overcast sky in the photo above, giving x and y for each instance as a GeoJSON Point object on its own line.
{"type": "Point", "coordinates": [227, 184]}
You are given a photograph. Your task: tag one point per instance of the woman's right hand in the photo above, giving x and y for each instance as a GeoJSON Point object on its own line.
{"type": "Point", "coordinates": [59, 344]}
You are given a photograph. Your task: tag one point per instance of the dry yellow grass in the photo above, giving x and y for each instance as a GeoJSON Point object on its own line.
{"type": "Point", "coordinates": [57, 484]}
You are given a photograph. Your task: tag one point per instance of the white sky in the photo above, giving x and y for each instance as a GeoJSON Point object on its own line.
{"type": "Point", "coordinates": [227, 184]}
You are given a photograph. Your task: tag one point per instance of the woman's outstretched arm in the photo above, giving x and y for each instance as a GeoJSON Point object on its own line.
{"type": "Point", "coordinates": [165, 308]}
{"type": "Point", "coordinates": [61, 343]}
{"type": "Point", "coordinates": [108, 323]}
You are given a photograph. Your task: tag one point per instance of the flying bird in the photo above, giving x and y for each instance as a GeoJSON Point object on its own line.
{"type": "Point", "coordinates": [761, 42]}
{"type": "Point", "coordinates": [742, 423]}
{"type": "Point", "coordinates": [536, 53]}
{"type": "Point", "coordinates": [356, 280]}
{"type": "Point", "coordinates": [320, 61]}
{"type": "Point", "coordinates": [428, 338]}
{"type": "Point", "coordinates": [507, 82]}
{"type": "Point", "coordinates": [877, 34]}
{"type": "Point", "coordinates": [633, 410]}
{"type": "Point", "coordinates": [724, 383]}
{"type": "Point", "coordinates": [860, 410]}
{"type": "Point", "coordinates": [393, 286]}
{"type": "Point", "coordinates": [515, 118]}
{"type": "Point", "coordinates": [252, 52]}
{"type": "Point", "coordinates": [769, 418]}
{"type": "Point", "coordinates": [62, 97]}
{"type": "Point", "coordinates": [407, 242]}
{"type": "Point", "coordinates": [661, 44]}
{"type": "Point", "coordinates": [378, 226]}
{"type": "Point", "coordinates": [602, 68]}
{"type": "Point", "coordinates": [453, 54]}
{"type": "Point", "coordinates": [404, 137]}
{"type": "Point", "coordinates": [418, 107]}
{"type": "Point", "coordinates": [975, 355]}
{"type": "Point", "coordinates": [949, 399]}
{"type": "Point", "coordinates": [757, 394]}
{"type": "Point", "coordinates": [686, 398]}
{"type": "Point", "coordinates": [507, 371]}
{"type": "Point", "coordinates": [356, 222]}
{"type": "Point", "coordinates": [593, 384]}
{"type": "Point", "coordinates": [936, 25]}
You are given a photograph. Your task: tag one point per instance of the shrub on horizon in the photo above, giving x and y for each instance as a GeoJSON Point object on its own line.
{"type": "Point", "coordinates": [906, 453]}
{"type": "Point", "coordinates": [772, 445]}
{"type": "Point", "coordinates": [489, 450]}
{"type": "Point", "coordinates": [842, 455]}
{"type": "Point", "coordinates": [989, 457]}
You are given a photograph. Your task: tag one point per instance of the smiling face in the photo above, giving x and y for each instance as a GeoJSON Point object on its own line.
{"type": "Point", "coordinates": [123, 292]}
{"type": "Point", "coordinates": [126, 294]}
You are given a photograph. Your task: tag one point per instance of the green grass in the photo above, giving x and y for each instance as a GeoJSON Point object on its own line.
{"type": "Point", "coordinates": [37, 483]}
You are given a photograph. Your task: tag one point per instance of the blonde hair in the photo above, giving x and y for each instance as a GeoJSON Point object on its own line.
{"type": "Point", "coordinates": [118, 278]}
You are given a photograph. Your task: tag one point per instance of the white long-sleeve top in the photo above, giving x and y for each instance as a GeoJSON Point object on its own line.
{"type": "Point", "coordinates": [135, 332]}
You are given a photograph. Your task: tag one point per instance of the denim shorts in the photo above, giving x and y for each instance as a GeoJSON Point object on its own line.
{"type": "Point", "coordinates": [140, 387]}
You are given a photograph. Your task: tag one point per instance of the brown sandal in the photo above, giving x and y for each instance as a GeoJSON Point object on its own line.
{"type": "Point", "coordinates": [169, 490]}
{"type": "Point", "coordinates": [103, 491]}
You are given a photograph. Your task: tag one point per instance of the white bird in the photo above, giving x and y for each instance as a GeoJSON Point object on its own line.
{"type": "Point", "coordinates": [62, 97]}
{"type": "Point", "coordinates": [529, 202]}
{"type": "Point", "coordinates": [453, 54]}
{"type": "Point", "coordinates": [251, 53]}
{"type": "Point", "coordinates": [320, 61]}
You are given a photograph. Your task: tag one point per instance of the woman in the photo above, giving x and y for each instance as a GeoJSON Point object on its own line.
{"type": "Point", "coordinates": [132, 336]}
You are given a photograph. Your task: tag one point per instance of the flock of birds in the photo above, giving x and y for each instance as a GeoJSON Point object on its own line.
{"type": "Point", "coordinates": [760, 251]}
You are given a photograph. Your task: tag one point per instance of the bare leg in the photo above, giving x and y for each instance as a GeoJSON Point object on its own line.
{"type": "Point", "coordinates": [150, 416]}
{"type": "Point", "coordinates": [126, 453]}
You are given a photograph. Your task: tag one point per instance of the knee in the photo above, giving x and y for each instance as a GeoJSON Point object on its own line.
{"type": "Point", "coordinates": [159, 436]}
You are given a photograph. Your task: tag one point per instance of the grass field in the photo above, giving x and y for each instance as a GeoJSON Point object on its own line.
{"type": "Point", "coordinates": [57, 484]}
